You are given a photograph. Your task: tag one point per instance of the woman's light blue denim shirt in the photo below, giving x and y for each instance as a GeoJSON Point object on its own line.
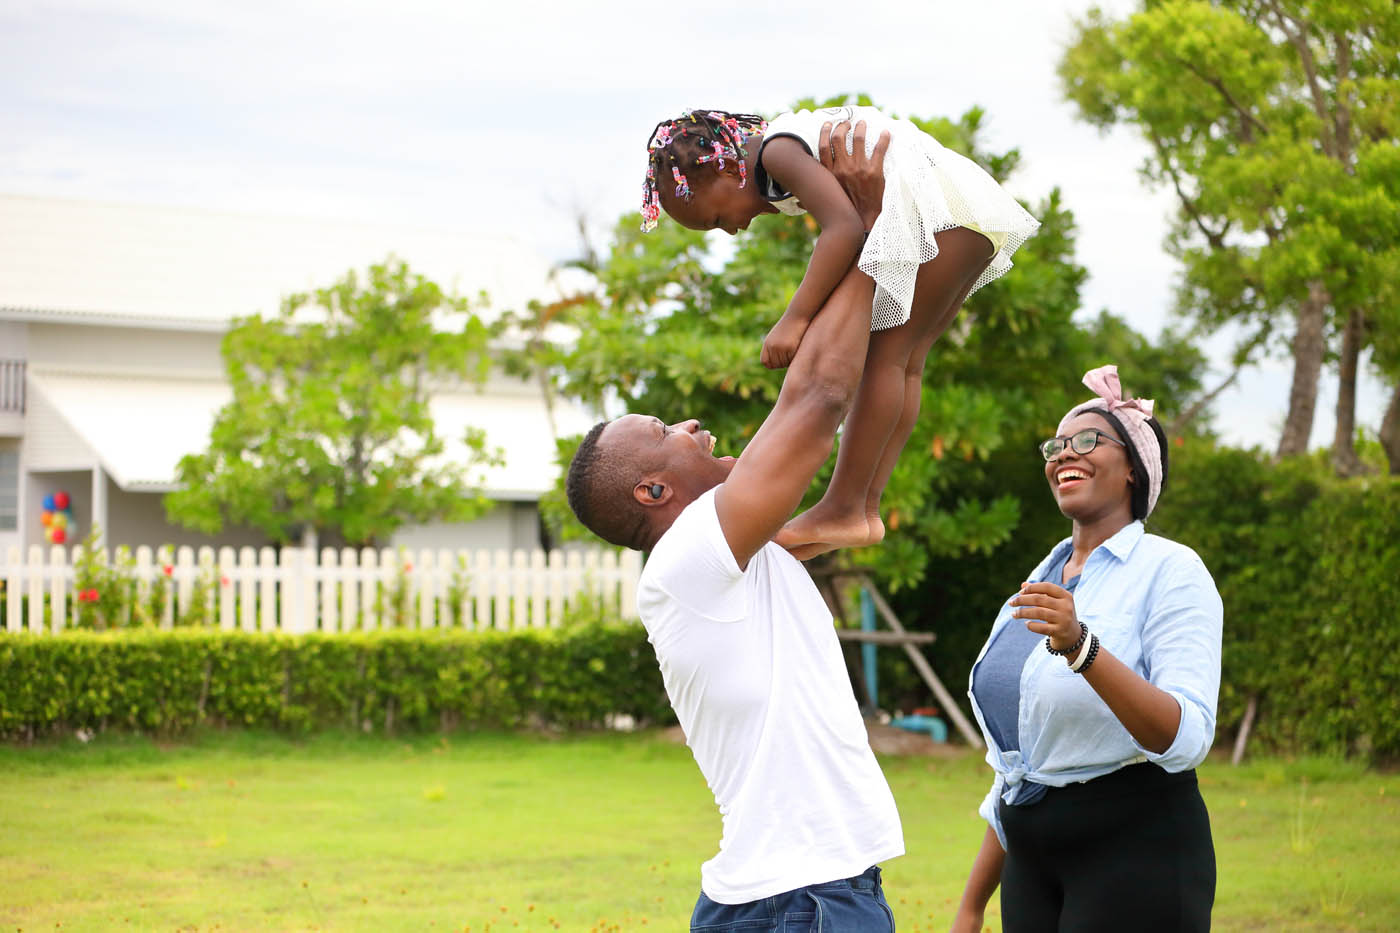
{"type": "Point", "coordinates": [1155, 608]}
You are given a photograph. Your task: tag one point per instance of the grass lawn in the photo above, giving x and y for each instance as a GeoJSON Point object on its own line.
{"type": "Point", "coordinates": [244, 831]}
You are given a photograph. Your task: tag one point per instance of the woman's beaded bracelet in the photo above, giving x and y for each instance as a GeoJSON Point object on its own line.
{"type": "Point", "coordinates": [1083, 634]}
{"type": "Point", "coordinates": [1082, 663]}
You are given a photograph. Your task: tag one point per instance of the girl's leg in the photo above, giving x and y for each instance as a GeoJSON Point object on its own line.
{"type": "Point", "coordinates": [840, 519]}
{"type": "Point", "coordinates": [913, 387]}
{"type": "Point", "coordinates": [887, 403]}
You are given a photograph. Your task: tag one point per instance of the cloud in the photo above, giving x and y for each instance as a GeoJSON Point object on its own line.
{"type": "Point", "coordinates": [505, 116]}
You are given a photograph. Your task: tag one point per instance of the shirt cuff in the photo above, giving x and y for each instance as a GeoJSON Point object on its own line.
{"type": "Point", "coordinates": [1192, 741]}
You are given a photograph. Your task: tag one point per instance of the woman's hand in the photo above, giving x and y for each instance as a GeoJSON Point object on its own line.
{"type": "Point", "coordinates": [862, 177]}
{"type": "Point", "coordinates": [966, 922]}
{"type": "Point", "coordinates": [780, 346]}
{"type": "Point", "coordinates": [1048, 610]}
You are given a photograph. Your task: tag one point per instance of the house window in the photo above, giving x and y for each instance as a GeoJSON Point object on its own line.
{"type": "Point", "coordinates": [9, 490]}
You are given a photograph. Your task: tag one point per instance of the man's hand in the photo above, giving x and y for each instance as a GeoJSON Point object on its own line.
{"type": "Point", "coordinates": [862, 177]}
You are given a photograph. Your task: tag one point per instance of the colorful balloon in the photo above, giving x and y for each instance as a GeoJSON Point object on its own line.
{"type": "Point", "coordinates": [58, 535]}
{"type": "Point", "coordinates": [60, 499]}
{"type": "Point", "coordinates": [48, 502]}
{"type": "Point", "coordinates": [60, 520]}
{"type": "Point", "coordinates": [46, 518]}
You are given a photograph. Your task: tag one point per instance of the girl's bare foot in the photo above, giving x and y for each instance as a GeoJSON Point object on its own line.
{"type": "Point", "coordinates": [828, 529]}
{"type": "Point", "coordinates": [806, 552]}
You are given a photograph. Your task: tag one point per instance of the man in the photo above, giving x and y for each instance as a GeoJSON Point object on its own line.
{"type": "Point", "coordinates": [745, 642]}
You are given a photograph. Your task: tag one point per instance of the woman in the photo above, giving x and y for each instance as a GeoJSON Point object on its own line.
{"type": "Point", "coordinates": [1096, 693]}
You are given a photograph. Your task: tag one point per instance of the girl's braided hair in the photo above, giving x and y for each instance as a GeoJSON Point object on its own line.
{"type": "Point", "coordinates": [689, 141]}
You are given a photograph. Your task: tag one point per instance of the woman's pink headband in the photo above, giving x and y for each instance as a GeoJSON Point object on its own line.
{"type": "Point", "coordinates": [1133, 414]}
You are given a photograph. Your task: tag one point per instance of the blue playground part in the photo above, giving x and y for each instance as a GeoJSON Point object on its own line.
{"type": "Point", "coordinates": [867, 650]}
{"type": "Point", "coordinates": [933, 725]}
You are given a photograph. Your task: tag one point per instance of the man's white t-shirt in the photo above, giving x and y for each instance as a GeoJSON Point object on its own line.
{"type": "Point", "coordinates": [755, 674]}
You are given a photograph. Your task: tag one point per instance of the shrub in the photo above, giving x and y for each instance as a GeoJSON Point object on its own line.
{"type": "Point", "coordinates": [108, 594]}
{"type": "Point", "coordinates": [1308, 567]}
{"type": "Point", "coordinates": [104, 593]}
{"type": "Point", "coordinates": [167, 682]}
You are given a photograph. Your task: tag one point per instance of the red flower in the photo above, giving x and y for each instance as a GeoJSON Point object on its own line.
{"type": "Point", "coordinates": [167, 569]}
{"type": "Point", "coordinates": [408, 568]}
{"type": "Point", "coordinates": [224, 581]}
{"type": "Point", "coordinates": [92, 596]}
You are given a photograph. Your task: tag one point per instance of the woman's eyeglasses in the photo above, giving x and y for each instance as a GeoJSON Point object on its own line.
{"type": "Point", "coordinates": [1081, 441]}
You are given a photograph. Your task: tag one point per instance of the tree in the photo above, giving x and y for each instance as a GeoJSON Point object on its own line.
{"type": "Point", "coordinates": [329, 430]}
{"type": "Point", "coordinates": [675, 329]}
{"type": "Point", "coordinates": [1387, 357]}
{"type": "Point", "coordinates": [1274, 121]}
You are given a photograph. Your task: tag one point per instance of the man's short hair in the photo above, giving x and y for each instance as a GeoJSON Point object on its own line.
{"type": "Point", "coordinates": [599, 486]}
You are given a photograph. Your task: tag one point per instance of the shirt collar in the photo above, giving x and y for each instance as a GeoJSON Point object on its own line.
{"type": "Point", "coordinates": [1122, 543]}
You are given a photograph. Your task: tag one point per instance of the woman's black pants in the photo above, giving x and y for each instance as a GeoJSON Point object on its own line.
{"type": "Point", "coordinates": [1128, 851]}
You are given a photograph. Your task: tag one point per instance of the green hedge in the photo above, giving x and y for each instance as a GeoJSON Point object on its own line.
{"type": "Point", "coordinates": [167, 682]}
{"type": "Point", "coordinates": [1308, 567]}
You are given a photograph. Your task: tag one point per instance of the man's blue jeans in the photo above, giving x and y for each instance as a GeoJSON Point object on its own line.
{"type": "Point", "coordinates": [851, 905]}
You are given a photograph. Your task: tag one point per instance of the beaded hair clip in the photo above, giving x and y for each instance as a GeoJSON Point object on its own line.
{"type": "Point", "coordinates": [651, 200]}
{"type": "Point", "coordinates": [682, 186]}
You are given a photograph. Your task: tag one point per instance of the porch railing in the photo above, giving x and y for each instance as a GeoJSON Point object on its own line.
{"type": "Point", "coordinates": [12, 386]}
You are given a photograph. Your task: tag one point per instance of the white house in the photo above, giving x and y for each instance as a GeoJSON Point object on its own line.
{"type": "Point", "coordinates": [111, 317]}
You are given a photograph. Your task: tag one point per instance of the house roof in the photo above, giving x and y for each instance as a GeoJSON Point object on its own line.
{"type": "Point", "coordinates": [169, 267]}
{"type": "Point", "coordinates": [140, 425]}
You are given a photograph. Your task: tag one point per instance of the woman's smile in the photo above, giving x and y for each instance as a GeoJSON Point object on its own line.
{"type": "Point", "coordinates": [1070, 477]}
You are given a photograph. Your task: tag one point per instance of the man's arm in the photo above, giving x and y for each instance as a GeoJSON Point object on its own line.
{"type": "Point", "coordinates": [777, 466]}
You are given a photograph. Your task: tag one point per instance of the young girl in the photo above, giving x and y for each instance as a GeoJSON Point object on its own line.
{"type": "Point", "coordinates": [946, 228]}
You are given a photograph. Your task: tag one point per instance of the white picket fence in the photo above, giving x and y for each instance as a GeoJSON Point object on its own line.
{"type": "Point", "coordinates": [346, 590]}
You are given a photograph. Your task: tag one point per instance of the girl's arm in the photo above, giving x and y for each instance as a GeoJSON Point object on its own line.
{"type": "Point", "coordinates": [787, 161]}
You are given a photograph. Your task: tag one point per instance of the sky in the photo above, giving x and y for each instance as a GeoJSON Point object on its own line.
{"type": "Point", "coordinates": [519, 117]}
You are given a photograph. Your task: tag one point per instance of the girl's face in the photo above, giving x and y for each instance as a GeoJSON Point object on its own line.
{"type": "Point", "coordinates": [718, 203]}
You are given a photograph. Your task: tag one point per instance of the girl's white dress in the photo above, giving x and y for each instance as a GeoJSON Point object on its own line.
{"type": "Point", "coordinates": [928, 189]}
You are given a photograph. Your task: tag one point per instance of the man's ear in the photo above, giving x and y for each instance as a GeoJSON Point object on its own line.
{"type": "Point", "coordinates": [651, 492]}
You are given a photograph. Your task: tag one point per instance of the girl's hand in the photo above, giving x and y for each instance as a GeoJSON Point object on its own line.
{"type": "Point", "coordinates": [781, 344]}
{"type": "Point", "coordinates": [1049, 610]}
